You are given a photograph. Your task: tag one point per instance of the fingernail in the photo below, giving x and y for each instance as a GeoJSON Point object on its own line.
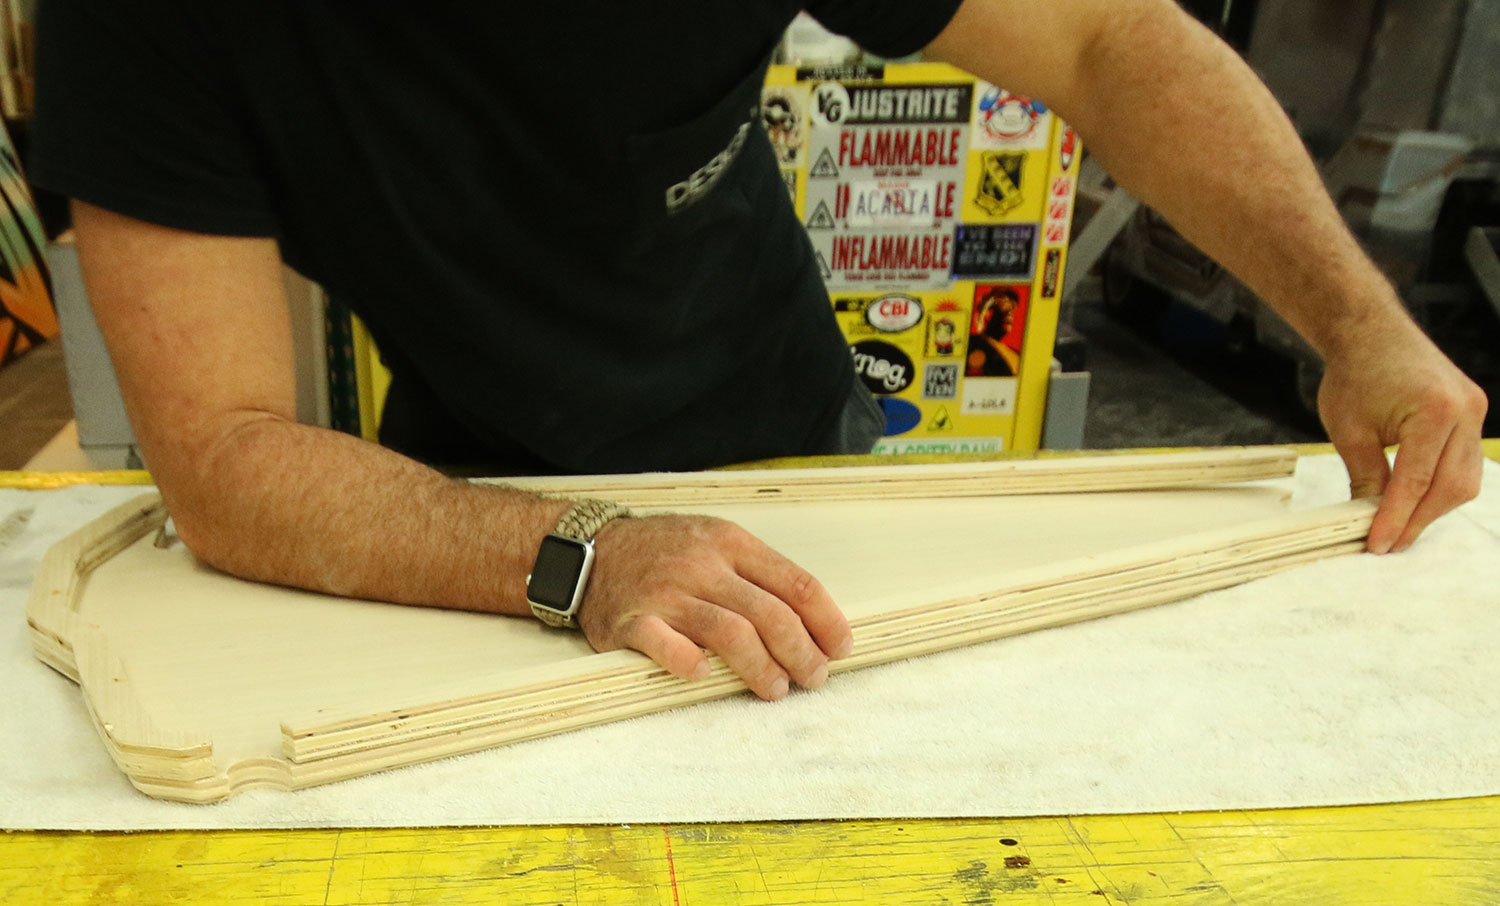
{"type": "Point", "coordinates": [818, 677]}
{"type": "Point", "coordinates": [701, 671]}
{"type": "Point", "coordinates": [780, 688]}
{"type": "Point", "coordinates": [846, 648]}
{"type": "Point", "coordinates": [1401, 547]}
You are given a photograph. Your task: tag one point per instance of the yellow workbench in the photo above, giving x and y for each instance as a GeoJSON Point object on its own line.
{"type": "Point", "coordinates": [1444, 853]}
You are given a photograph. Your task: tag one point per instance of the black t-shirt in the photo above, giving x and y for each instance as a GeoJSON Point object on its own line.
{"type": "Point", "coordinates": [566, 221]}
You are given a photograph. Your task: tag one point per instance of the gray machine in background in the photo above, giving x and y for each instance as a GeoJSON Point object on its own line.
{"type": "Point", "coordinates": [1399, 102]}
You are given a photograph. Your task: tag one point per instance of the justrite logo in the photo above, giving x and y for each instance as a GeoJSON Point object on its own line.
{"type": "Point", "coordinates": [883, 367]}
{"type": "Point", "coordinates": [894, 313]}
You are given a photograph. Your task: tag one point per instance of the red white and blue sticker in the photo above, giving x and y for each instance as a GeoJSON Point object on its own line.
{"type": "Point", "coordinates": [1006, 121]}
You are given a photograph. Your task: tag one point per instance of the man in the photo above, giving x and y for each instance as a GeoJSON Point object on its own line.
{"type": "Point", "coordinates": [592, 271]}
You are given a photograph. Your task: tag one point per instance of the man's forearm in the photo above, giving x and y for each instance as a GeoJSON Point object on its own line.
{"type": "Point", "coordinates": [1180, 121]}
{"type": "Point", "coordinates": [1239, 184]}
{"type": "Point", "coordinates": [303, 506]}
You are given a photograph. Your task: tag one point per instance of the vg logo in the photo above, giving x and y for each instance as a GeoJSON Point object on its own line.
{"type": "Point", "coordinates": [830, 104]}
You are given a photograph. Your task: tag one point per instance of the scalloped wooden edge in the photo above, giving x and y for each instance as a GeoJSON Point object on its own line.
{"type": "Point", "coordinates": [179, 764]}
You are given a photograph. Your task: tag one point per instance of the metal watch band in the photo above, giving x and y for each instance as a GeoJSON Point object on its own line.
{"type": "Point", "coordinates": [581, 522]}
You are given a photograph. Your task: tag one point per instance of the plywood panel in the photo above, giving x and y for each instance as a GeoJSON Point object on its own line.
{"type": "Point", "coordinates": [204, 684]}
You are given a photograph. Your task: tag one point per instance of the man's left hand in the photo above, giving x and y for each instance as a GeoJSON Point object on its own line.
{"type": "Point", "coordinates": [1395, 387]}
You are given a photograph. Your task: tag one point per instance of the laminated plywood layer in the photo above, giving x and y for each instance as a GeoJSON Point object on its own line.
{"type": "Point", "coordinates": [202, 684]}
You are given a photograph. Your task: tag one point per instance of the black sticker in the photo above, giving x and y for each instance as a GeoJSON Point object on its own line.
{"type": "Point", "coordinates": [1051, 272]}
{"type": "Point", "coordinates": [883, 367]}
{"type": "Point", "coordinates": [919, 103]}
{"type": "Point", "coordinates": [1005, 251]}
{"type": "Point", "coordinates": [846, 71]}
{"type": "Point", "coordinates": [940, 382]}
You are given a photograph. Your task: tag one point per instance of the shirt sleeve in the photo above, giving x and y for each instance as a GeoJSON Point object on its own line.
{"type": "Point", "coordinates": [890, 28]}
{"type": "Point", "coordinates": [134, 113]}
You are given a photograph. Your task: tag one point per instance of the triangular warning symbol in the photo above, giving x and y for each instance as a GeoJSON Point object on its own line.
{"type": "Point", "coordinates": [825, 168]}
{"type": "Point", "coordinates": [820, 219]}
{"type": "Point", "coordinates": [823, 267]}
{"type": "Point", "coordinates": [941, 421]}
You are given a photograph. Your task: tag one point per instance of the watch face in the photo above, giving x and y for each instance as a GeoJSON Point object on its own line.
{"type": "Point", "coordinates": [555, 577]}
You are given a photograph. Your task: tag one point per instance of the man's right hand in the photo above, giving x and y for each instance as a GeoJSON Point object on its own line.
{"type": "Point", "coordinates": [672, 586]}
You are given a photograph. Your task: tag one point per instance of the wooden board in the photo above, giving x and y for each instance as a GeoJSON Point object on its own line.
{"type": "Point", "coordinates": [202, 685]}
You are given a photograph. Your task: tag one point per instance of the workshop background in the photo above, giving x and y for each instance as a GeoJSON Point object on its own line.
{"type": "Point", "coordinates": [1153, 345]}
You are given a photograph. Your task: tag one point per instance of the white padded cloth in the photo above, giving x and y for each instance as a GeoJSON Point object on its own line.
{"type": "Point", "coordinates": [1357, 680]}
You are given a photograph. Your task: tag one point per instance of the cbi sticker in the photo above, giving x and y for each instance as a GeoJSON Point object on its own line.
{"type": "Point", "coordinates": [900, 416]}
{"type": "Point", "coordinates": [940, 381]}
{"type": "Point", "coordinates": [883, 367]}
{"type": "Point", "coordinates": [894, 313]}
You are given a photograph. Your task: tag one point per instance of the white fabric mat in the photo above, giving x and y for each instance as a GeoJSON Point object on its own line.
{"type": "Point", "coordinates": [1358, 680]}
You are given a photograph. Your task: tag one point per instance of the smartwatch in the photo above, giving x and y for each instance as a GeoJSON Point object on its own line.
{"type": "Point", "coordinates": [564, 560]}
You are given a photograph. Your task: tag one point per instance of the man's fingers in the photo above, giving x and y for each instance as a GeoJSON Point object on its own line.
{"type": "Point", "coordinates": [651, 636]}
{"type": "Point", "coordinates": [1364, 457]}
{"type": "Point", "coordinates": [733, 638]}
{"type": "Point", "coordinates": [803, 593]}
{"type": "Point", "coordinates": [781, 630]}
{"type": "Point", "coordinates": [1455, 481]}
{"type": "Point", "coordinates": [1423, 440]}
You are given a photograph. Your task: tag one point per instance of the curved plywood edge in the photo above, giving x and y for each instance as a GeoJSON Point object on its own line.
{"type": "Point", "coordinates": [322, 745]}
{"type": "Point", "coordinates": [78, 650]}
{"type": "Point", "coordinates": [1043, 597]}
{"type": "Point", "coordinates": [54, 590]}
{"type": "Point", "coordinates": [1033, 476]}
